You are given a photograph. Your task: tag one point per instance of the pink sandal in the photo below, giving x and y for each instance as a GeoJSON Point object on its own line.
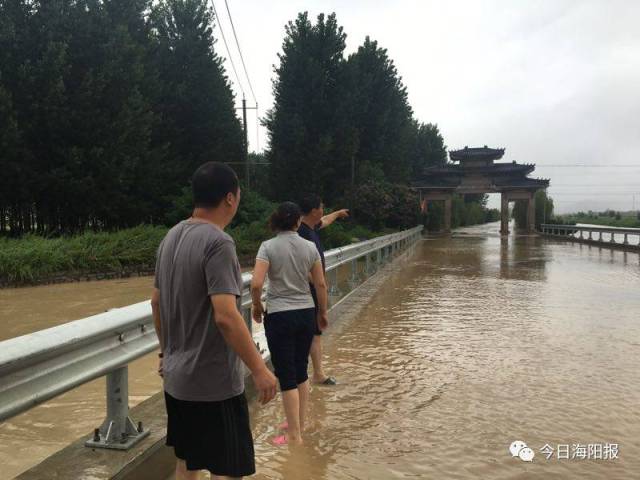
{"type": "Point", "coordinates": [279, 441]}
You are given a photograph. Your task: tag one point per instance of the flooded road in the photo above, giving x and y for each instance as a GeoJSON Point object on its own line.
{"type": "Point", "coordinates": [473, 342]}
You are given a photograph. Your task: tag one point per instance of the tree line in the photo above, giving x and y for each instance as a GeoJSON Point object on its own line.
{"type": "Point", "coordinates": [342, 123]}
{"type": "Point", "coordinates": [107, 107]}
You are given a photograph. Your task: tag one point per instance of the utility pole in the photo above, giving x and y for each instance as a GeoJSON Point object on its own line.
{"type": "Point", "coordinates": [246, 140]}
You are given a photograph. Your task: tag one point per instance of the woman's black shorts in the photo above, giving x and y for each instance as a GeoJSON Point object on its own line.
{"type": "Point", "coordinates": [214, 436]}
{"type": "Point", "coordinates": [289, 336]}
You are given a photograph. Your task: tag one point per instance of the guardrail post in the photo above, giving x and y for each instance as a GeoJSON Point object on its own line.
{"type": "Point", "coordinates": [368, 264]}
{"type": "Point", "coordinates": [334, 291]}
{"type": "Point", "coordinates": [626, 239]}
{"type": "Point", "coordinates": [600, 237]}
{"type": "Point", "coordinates": [354, 279]}
{"type": "Point", "coordinates": [613, 239]}
{"type": "Point", "coordinates": [118, 431]}
{"type": "Point", "coordinates": [590, 236]}
{"type": "Point", "coordinates": [379, 258]}
{"type": "Point", "coordinates": [581, 237]}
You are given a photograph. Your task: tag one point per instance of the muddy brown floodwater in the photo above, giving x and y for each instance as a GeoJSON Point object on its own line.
{"type": "Point", "coordinates": [473, 342]}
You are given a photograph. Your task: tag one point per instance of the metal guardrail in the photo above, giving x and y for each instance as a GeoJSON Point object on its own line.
{"type": "Point", "coordinates": [577, 232]}
{"type": "Point", "coordinates": [39, 366]}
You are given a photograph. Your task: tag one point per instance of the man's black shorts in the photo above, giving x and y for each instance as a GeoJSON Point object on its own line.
{"type": "Point", "coordinates": [214, 436]}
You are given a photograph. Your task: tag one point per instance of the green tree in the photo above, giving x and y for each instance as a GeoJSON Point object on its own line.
{"type": "Point", "coordinates": [12, 194]}
{"type": "Point", "coordinates": [302, 125]}
{"type": "Point", "coordinates": [110, 160]}
{"type": "Point", "coordinates": [36, 63]}
{"type": "Point", "coordinates": [428, 148]}
{"type": "Point", "coordinates": [195, 101]}
{"type": "Point", "coordinates": [381, 114]}
{"type": "Point", "coordinates": [380, 205]}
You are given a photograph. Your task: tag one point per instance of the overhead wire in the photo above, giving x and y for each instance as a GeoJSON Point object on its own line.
{"type": "Point", "coordinates": [224, 39]}
{"type": "Point", "coordinates": [233, 29]}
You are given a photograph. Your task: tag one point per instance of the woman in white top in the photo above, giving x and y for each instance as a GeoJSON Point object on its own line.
{"type": "Point", "coordinates": [288, 261]}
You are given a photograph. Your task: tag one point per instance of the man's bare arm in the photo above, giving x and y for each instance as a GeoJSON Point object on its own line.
{"type": "Point", "coordinates": [332, 217]}
{"type": "Point", "coordinates": [236, 334]}
{"type": "Point", "coordinates": [155, 313]}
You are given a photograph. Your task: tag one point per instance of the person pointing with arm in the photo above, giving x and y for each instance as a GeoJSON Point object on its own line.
{"type": "Point", "coordinates": [313, 220]}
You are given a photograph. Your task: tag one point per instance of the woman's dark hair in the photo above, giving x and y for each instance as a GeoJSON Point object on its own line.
{"type": "Point", "coordinates": [211, 183]}
{"type": "Point", "coordinates": [309, 202]}
{"type": "Point", "coordinates": [285, 217]}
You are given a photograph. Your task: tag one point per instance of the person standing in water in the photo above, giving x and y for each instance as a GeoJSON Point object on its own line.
{"type": "Point", "coordinates": [313, 220]}
{"type": "Point", "coordinates": [203, 337]}
{"type": "Point", "coordinates": [291, 315]}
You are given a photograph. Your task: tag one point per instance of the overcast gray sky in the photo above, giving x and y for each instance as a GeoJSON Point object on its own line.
{"type": "Point", "coordinates": [554, 82]}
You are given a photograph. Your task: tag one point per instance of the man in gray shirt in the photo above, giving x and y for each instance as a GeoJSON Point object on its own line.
{"type": "Point", "coordinates": [203, 336]}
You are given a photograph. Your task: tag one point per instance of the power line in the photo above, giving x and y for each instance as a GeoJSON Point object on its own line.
{"type": "Point", "coordinates": [233, 29]}
{"type": "Point", "coordinates": [227, 47]}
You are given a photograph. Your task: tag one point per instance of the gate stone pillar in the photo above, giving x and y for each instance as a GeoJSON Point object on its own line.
{"type": "Point", "coordinates": [531, 213]}
{"type": "Point", "coordinates": [504, 213]}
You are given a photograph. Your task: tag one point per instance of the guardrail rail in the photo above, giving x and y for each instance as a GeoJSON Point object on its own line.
{"type": "Point", "coordinates": [612, 235]}
{"type": "Point", "coordinates": [39, 366]}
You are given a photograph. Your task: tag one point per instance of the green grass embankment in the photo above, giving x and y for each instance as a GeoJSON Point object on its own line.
{"type": "Point", "coordinates": [33, 259]}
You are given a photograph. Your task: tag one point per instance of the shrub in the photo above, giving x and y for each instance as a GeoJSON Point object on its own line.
{"type": "Point", "coordinates": [379, 205]}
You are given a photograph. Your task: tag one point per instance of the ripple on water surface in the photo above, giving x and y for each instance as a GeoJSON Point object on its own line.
{"type": "Point", "coordinates": [476, 343]}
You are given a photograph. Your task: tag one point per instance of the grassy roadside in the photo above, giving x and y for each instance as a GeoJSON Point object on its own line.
{"type": "Point", "coordinates": [32, 259]}
{"type": "Point", "coordinates": [622, 221]}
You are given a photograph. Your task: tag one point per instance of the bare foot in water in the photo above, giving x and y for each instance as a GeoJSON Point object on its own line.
{"type": "Point", "coordinates": [282, 440]}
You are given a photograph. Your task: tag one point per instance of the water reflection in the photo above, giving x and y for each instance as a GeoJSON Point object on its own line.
{"type": "Point", "coordinates": [523, 257]}
{"type": "Point", "coordinates": [477, 342]}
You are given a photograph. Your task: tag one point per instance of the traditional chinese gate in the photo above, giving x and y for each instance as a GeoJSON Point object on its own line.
{"type": "Point", "coordinates": [473, 171]}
